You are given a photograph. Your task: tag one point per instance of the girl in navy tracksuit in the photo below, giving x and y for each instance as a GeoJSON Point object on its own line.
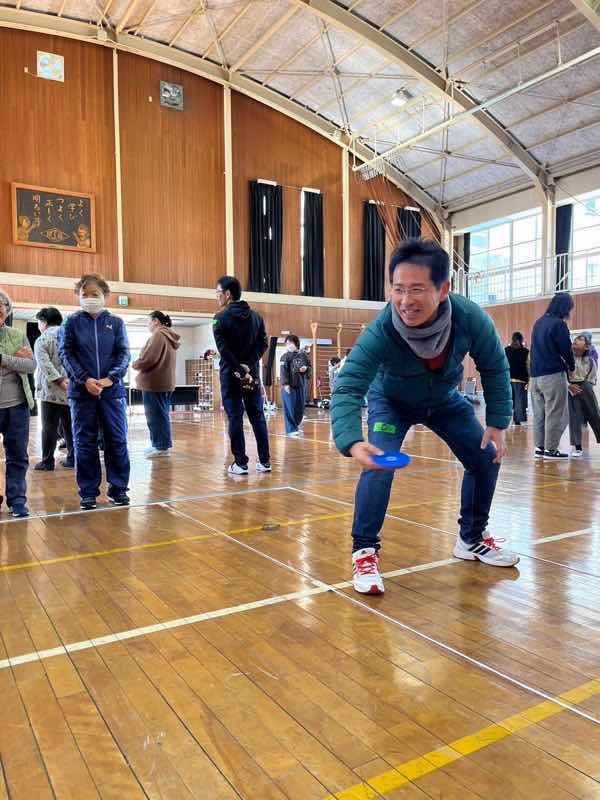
{"type": "Point", "coordinates": [94, 350]}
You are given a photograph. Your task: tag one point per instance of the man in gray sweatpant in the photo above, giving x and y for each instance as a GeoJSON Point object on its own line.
{"type": "Point", "coordinates": [551, 358]}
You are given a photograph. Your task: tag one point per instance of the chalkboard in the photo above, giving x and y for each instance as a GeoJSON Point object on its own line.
{"type": "Point", "coordinates": [53, 218]}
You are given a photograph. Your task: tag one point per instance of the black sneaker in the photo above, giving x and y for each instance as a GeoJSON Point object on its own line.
{"type": "Point", "coordinates": [87, 503]}
{"type": "Point", "coordinates": [43, 467]}
{"type": "Point", "coordinates": [539, 452]}
{"type": "Point", "coordinates": [121, 499]}
{"type": "Point", "coordinates": [19, 510]}
{"type": "Point", "coordinates": [68, 463]}
{"type": "Point", "coordinates": [555, 455]}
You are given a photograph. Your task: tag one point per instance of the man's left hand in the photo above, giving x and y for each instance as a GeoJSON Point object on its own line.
{"type": "Point", "coordinates": [496, 437]}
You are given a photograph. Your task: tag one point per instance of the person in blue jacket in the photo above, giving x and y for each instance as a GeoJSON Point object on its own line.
{"type": "Point", "coordinates": [94, 350]}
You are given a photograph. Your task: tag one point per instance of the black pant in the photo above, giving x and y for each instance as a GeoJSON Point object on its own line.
{"type": "Point", "coordinates": [56, 419]}
{"type": "Point", "coordinates": [235, 400]}
{"type": "Point", "coordinates": [519, 396]}
{"type": "Point", "coordinates": [583, 408]}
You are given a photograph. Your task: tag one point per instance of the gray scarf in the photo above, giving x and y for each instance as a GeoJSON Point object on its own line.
{"type": "Point", "coordinates": [428, 342]}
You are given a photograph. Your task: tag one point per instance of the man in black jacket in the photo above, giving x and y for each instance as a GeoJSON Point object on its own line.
{"type": "Point", "coordinates": [241, 340]}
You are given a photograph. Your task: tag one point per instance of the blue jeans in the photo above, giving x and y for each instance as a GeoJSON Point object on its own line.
{"type": "Point", "coordinates": [14, 427]}
{"type": "Point", "coordinates": [293, 407]}
{"type": "Point", "coordinates": [157, 407]}
{"type": "Point", "coordinates": [89, 417]}
{"type": "Point", "coordinates": [234, 402]}
{"type": "Point", "coordinates": [456, 424]}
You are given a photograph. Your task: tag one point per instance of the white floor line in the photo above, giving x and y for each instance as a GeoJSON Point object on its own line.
{"type": "Point", "coordinates": [366, 607]}
{"type": "Point", "coordinates": [134, 633]}
{"type": "Point", "coordinates": [558, 537]}
{"type": "Point", "coordinates": [181, 499]}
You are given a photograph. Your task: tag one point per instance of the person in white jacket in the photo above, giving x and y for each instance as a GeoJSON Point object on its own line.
{"type": "Point", "coordinates": [51, 390]}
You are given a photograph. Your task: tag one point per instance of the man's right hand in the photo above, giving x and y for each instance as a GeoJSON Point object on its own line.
{"type": "Point", "coordinates": [575, 390]}
{"type": "Point", "coordinates": [362, 452]}
{"type": "Point", "coordinates": [94, 387]}
{"type": "Point", "coordinates": [287, 389]}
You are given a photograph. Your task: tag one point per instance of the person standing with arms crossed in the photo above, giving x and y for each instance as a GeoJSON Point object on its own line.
{"type": "Point", "coordinates": [241, 340]}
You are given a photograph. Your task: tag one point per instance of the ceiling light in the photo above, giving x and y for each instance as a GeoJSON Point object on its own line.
{"type": "Point", "coordinates": [401, 97]}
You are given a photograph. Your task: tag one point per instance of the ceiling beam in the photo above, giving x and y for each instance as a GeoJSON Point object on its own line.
{"type": "Point", "coordinates": [401, 55]}
{"type": "Point", "coordinates": [129, 9]}
{"type": "Point", "coordinates": [590, 9]}
{"type": "Point", "coordinates": [55, 26]}
{"type": "Point", "coordinates": [262, 40]}
{"type": "Point", "coordinates": [564, 67]}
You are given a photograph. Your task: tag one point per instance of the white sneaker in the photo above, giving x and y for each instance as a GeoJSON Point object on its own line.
{"type": "Point", "coordinates": [576, 453]}
{"type": "Point", "coordinates": [152, 452]}
{"type": "Point", "coordinates": [366, 578]}
{"type": "Point", "coordinates": [260, 467]}
{"type": "Point", "coordinates": [294, 434]}
{"type": "Point", "coordinates": [235, 469]}
{"type": "Point", "coordinates": [488, 551]}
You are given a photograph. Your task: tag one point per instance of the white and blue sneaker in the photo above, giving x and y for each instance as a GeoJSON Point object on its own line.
{"type": "Point", "coordinates": [487, 550]}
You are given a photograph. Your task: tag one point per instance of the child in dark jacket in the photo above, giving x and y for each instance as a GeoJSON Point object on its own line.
{"type": "Point", "coordinates": [94, 350]}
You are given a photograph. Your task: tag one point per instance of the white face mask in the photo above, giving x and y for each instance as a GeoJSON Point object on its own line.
{"type": "Point", "coordinates": [291, 348]}
{"type": "Point", "coordinates": [93, 305]}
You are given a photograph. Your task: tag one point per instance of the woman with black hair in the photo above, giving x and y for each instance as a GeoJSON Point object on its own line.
{"type": "Point", "coordinates": [518, 356]}
{"type": "Point", "coordinates": [156, 380]}
{"type": "Point", "coordinates": [551, 359]}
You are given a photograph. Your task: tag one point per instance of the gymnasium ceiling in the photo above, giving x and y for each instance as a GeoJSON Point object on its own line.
{"type": "Point", "coordinates": [341, 63]}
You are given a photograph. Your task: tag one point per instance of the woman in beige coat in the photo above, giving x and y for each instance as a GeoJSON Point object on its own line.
{"type": "Point", "coordinates": [156, 380]}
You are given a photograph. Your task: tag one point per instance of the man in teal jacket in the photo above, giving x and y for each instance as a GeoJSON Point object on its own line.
{"type": "Point", "coordinates": [410, 360]}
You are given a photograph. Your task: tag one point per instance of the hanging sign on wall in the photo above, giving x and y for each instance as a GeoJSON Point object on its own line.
{"type": "Point", "coordinates": [43, 217]}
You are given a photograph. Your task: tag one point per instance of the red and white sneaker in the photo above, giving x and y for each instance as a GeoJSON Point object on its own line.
{"type": "Point", "coordinates": [366, 578]}
{"type": "Point", "coordinates": [488, 550]}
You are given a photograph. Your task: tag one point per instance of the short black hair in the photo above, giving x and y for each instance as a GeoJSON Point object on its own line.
{"type": "Point", "coordinates": [422, 253]}
{"type": "Point", "coordinates": [164, 319]}
{"type": "Point", "coordinates": [561, 305]}
{"type": "Point", "coordinates": [517, 339]}
{"type": "Point", "coordinates": [335, 360]}
{"type": "Point", "coordinates": [50, 315]}
{"type": "Point", "coordinates": [230, 284]}
{"type": "Point", "coordinates": [291, 337]}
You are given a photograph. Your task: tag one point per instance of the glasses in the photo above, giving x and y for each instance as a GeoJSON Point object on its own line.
{"type": "Point", "coordinates": [418, 291]}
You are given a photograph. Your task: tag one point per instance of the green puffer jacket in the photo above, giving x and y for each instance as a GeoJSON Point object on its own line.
{"type": "Point", "coordinates": [383, 361]}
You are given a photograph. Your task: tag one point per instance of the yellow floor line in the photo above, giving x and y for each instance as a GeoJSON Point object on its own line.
{"type": "Point", "coordinates": [387, 782]}
{"type": "Point", "coordinates": [183, 540]}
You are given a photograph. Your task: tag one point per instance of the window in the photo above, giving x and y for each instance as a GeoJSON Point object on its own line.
{"type": "Point", "coordinates": [505, 259]}
{"type": "Point", "coordinates": [585, 266]}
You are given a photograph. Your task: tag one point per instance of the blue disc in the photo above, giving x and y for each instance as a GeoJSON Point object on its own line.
{"type": "Point", "coordinates": [391, 460]}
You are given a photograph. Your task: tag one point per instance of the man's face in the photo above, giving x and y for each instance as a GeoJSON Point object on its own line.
{"type": "Point", "coordinates": [222, 297]}
{"type": "Point", "coordinates": [414, 295]}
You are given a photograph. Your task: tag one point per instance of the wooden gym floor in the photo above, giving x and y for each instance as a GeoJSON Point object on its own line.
{"type": "Point", "coordinates": [177, 649]}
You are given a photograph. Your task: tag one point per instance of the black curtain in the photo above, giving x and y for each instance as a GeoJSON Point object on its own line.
{"type": "Point", "coordinates": [410, 223]}
{"type": "Point", "coordinates": [467, 250]}
{"type": "Point", "coordinates": [314, 266]}
{"type": "Point", "coordinates": [266, 226]}
{"type": "Point", "coordinates": [373, 254]}
{"type": "Point", "coordinates": [562, 242]}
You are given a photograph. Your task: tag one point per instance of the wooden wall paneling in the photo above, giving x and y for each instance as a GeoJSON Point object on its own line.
{"type": "Point", "coordinates": [361, 192]}
{"type": "Point", "coordinates": [59, 135]}
{"type": "Point", "coordinates": [267, 144]}
{"type": "Point", "coordinates": [172, 177]}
